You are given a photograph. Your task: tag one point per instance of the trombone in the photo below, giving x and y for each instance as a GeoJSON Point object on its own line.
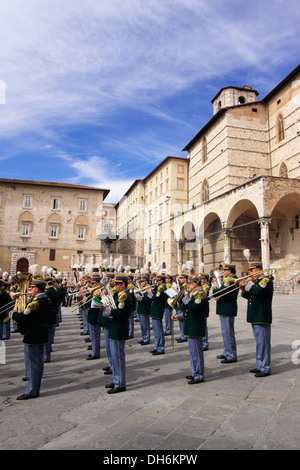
{"type": "Point", "coordinates": [86, 299]}
{"type": "Point", "coordinates": [230, 288]}
{"type": "Point", "coordinates": [142, 290]}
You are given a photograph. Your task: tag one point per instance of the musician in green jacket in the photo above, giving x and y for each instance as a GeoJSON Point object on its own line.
{"type": "Point", "coordinates": [259, 293]}
{"type": "Point", "coordinates": [32, 323]}
{"type": "Point", "coordinates": [227, 308]}
{"type": "Point", "coordinates": [118, 333]}
{"type": "Point", "coordinates": [143, 306]}
{"type": "Point", "coordinates": [194, 307]}
{"type": "Point", "coordinates": [156, 314]}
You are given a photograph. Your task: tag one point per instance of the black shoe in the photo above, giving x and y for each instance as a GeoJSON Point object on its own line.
{"type": "Point", "coordinates": [130, 337]}
{"type": "Point", "coordinates": [221, 356]}
{"type": "Point", "coordinates": [143, 343]}
{"type": "Point", "coordinates": [117, 390]}
{"type": "Point", "coordinates": [90, 357]}
{"type": "Point", "coordinates": [88, 340]}
{"type": "Point", "coordinates": [228, 361]}
{"type": "Point", "coordinates": [108, 372]}
{"type": "Point", "coordinates": [25, 379]}
{"type": "Point", "coordinates": [26, 397]}
{"type": "Point", "coordinates": [261, 374]}
{"type": "Point", "coordinates": [206, 348]}
{"type": "Point", "coordinates": [89, 348]}
{"type": "Point", "coordinates": [106, 368]}
{"type": "Point", "coordinates": [180, 340]}
{"type": "Point", "coordinates": [254, 371]}
{"type": "Point", "coordinates": [157, 353]}
{"type": "Point", "coordinates": [167, 334]}
{"type": "Point", "coordinates": [189, 377]}
{"type": "Point", "coordinates": [153, 351]}
{"type": "Point", "coordinates": [195, 381]}
{"type": "Point", "coordinates": [111, 385]}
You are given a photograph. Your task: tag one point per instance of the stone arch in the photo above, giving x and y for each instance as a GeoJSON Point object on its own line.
{"type": "Point", "coordinates": [26, 217]}
{"type": "Point", "coordinates": [243, 224]}
{"type": "Point", "coordinates": [284, 226]}
{"type": "Point", "coordinates": [53, 219]}
{"type": "Point", "coordinates": [213, 241]}
{"type": "Point", "coordinates": [16, 255]}
{"type": "Point", "coordinates": [81, 221]}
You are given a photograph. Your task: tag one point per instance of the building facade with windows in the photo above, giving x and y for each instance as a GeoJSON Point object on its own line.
{"type": "Point", "coordinates": [45, 223]}
{"type": "Point", "coordinates": [244, 180]}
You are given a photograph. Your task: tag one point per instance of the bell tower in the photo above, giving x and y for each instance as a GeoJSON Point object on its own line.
{"type": "Point", "coordinates": [233, 96]}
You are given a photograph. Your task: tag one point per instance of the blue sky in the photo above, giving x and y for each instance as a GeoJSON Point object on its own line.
{"type": "Point", "coordinates": [99, 92]}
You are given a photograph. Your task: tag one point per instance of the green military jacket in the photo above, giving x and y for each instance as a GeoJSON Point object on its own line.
{"type": "Point", "coordinates": [32, 323]}
{"type": "Point", "coordinates": [53, 295]}
{"type": "Point", "coordinates": [259, 308]}
{"type": "Point", "coordinates": [119, 317]}
{"type": "Point", "coordinates": [194, 312]}
{"type": "Point", "coordinates": [143, 305]}
{"type": "Point", "coordinates": [227, 304]}
{"type": "Point", "coordinates": [158, 303]}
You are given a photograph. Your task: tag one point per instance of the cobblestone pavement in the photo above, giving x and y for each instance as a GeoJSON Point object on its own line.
{"type": "Point", "coordinates": [159, 411]}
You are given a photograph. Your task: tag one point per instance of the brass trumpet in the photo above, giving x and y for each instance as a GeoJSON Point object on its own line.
{"type": "Point", "coordinates": [230, 288]}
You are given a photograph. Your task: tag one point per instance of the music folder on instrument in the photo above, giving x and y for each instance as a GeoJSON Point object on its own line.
{"type": "Point", "coordinates": [171, 292]}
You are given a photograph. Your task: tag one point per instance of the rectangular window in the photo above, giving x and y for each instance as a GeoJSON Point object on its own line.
{"type": "Point", "coordinates": [180, 169]}
{"type": "Point", "coordinates": [55, 204]}
{"type": "Point", "coordinates": [80, 233]}
{"type": "Point", "coordinates": [82, 205]}
{"type": "Point", "coordinates": [27, 202]}
{"type": "Point", "coordinates": [180, 183]}
{"type": "Point", "coordinates": [25, 230]}
{"type": "Point", "coordinates": [54, 231]}
{"type": "Point", "coordinates": [52, 254]}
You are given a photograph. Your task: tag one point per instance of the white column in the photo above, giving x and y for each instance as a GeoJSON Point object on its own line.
{"type": "Point", "coordinates": [265, 241]}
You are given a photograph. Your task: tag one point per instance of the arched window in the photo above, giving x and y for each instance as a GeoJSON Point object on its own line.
{"type": "Point", "coordinates": [204, 150]}
{"type": "Point", "coordinates": [205, 191]}
{"type": "Point", "coordinates": [280, 128]}
{"type": "Point", "coordinates": [283, 171]}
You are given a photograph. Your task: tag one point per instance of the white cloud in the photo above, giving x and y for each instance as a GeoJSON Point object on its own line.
{"type": "Point", "coordinates": [99, 172]}
{"type": "Point", "coordinates": [74, 61]}
{"type": "Point", "coordinates": [68, 62]}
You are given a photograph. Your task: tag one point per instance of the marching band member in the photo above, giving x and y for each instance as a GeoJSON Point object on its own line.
{"type": "Point", "coordinates": [118, 334]}
{"type": "Point", "coordinates": [259, 293]}
{"type": "Point", "coordinates": [168, 309]}
{"type": "Point", "coordinates": [53, 295]}
{"type": "Point", "coordinates": [182, 279]}
{"type": "Point", "coordinates": [32, 324]}
{"type": "Point", "coordinates": [105, 324]}
{"type": "Point", "coordinates": [194, 310]}
{"type": "Point", "coordinates": [205, 286]}
{"type": "Point", "coordinates": [143, 310]}
{"type": "Point", "coordinates": [5, 299]}
{"type": "Point", "coordinates": [156, 314]}
{"type": "Point", "coordinates": [94, 312]}
{"type": "Point", "coordinates": [227, 308]}
{"type": "Point", "coordinates": [130, 293]}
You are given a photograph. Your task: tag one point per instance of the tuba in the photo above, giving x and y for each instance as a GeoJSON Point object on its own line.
{"type": "Point", "coordinates": [23, 280]}
{"type": "Point", "coordinates": [217, 276]}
